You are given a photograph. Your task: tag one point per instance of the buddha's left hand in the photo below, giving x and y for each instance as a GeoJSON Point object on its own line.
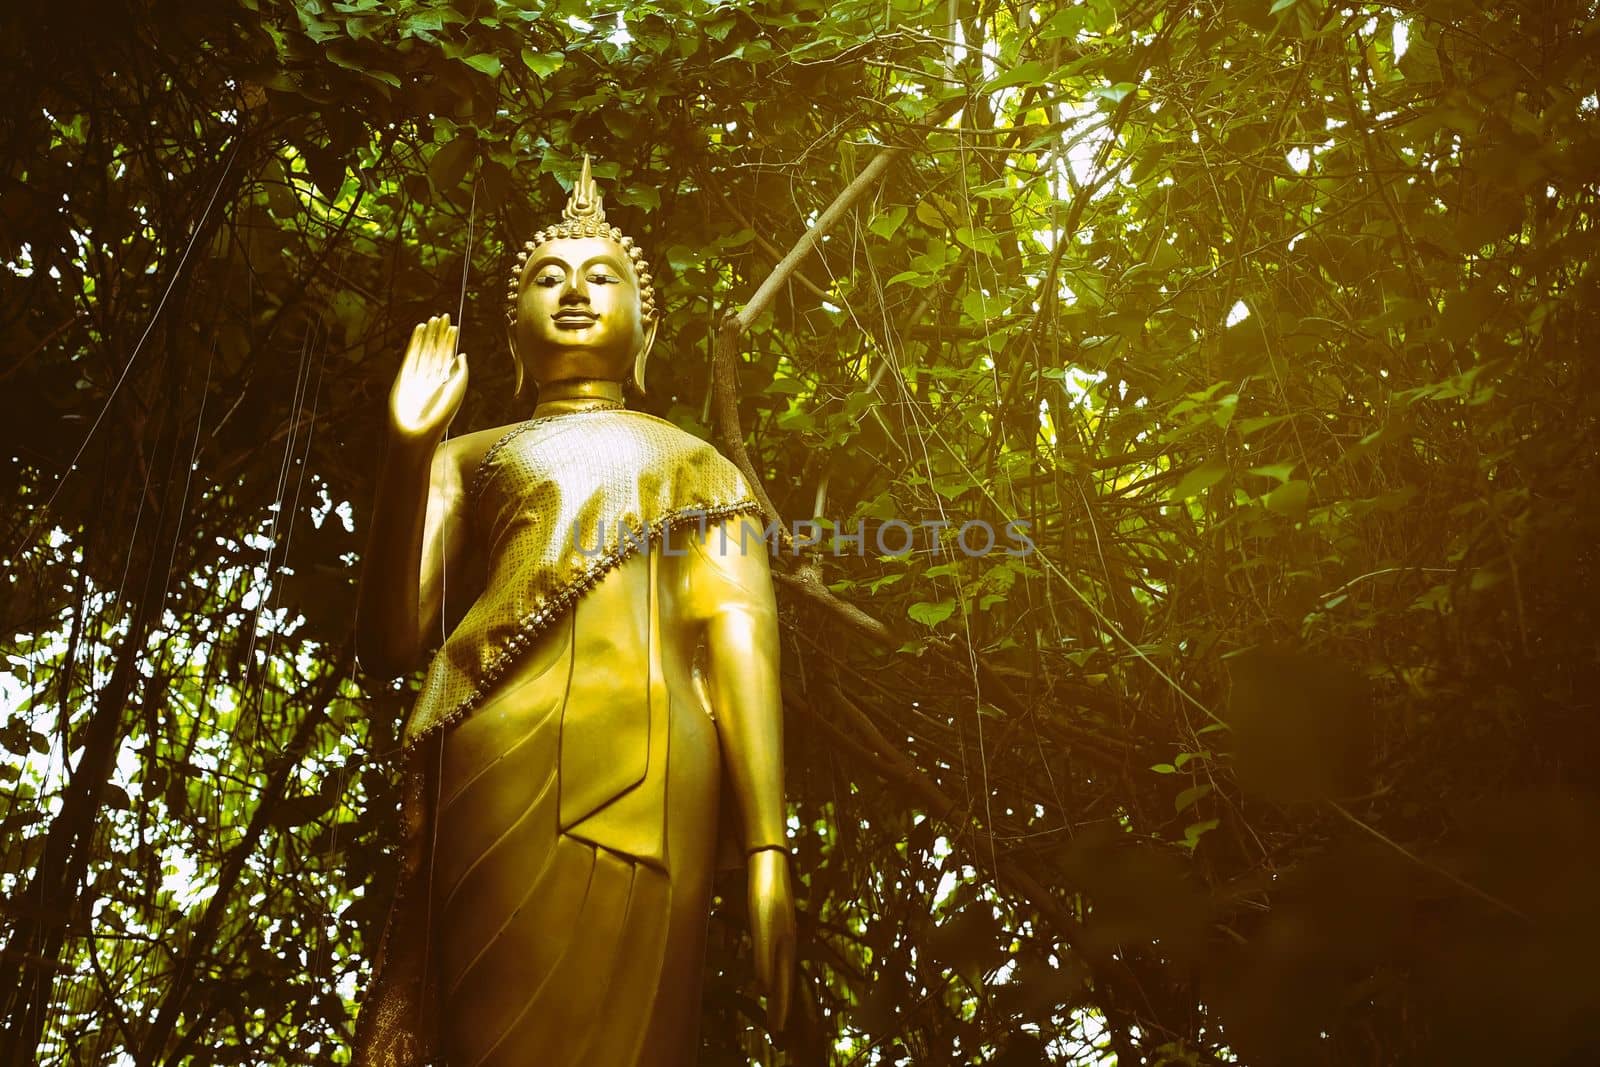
{"type": "Point", "coordinates": [772, 930]}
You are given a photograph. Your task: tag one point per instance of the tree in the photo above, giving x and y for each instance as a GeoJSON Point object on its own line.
{"type": "Point", "coordinates": [1268, 318]}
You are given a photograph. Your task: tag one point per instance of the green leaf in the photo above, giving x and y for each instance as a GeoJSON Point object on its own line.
{"type": "Point", "coordinates": [319, 30]}
{"type": "Point", "coordinates": [1421, 61]}
{"type": "Point", "coordinates": [1025, 73]}
{"type": "Point", "coordinates": [932, 614]}
{"type": "Point", "coordinates": [682, 258]}
{"type": "Point", "coordinates": [1281, 472]}
{"type": "Point", "coordinates": [797, 420]}
{"type": "Point", "coordinates": [1187, 798]}
{"type": "Point", "coordinates": [647, 197]}
{"type": "Point", "coordinates": [1484, 578]}
{"type": "Point", "coordinates": [1222, 415]}
{"type": "Point", "coordinates": [1290, 498]}
{"type": "Point", "coordinates": [543, 64]}
{"type": "Point", "coordinates": [1258, 422]}
{"type": "Point", "coordinates": [787, 387]}
{"type": "Point", "coordinates": [421, 25]}
{"type": "Point", "coordinates": [281, 196]}
{"type": "Point", "coordinates": [326, 169]}
{"type": "Point", "coordinates": [1435, 598]}
{"type": "Point", "coordinates": [929, 215]}
{"type": "Point", "coordinates": [1195, 831]}
{"type": "Point", "coordinates": [1281, 5]}
{"type": "Point", "coordinates": [350, 311]}
{"type": "Point", "coordinates": [979, 240]}
{"type": "Point", "coordinates": [1199, 480]}
{"type": "Point", "coordinates": [449, 164]}
{"type": "Point", "coordinates": [297, 811]}
{"type": "Point", "coordinates": [914, 278]}
{"type": "Point", "coordinates": [888, 579]}
{"type": "Point", "coordinates": [1113, 93]}
{"type": "Point", "coordinates": [886, 223]}
{"type": "Point", "coordinates": [485, 62]}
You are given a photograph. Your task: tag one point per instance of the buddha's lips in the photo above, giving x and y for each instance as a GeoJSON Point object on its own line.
{"type": "Point", "coordinates": [575, 318]}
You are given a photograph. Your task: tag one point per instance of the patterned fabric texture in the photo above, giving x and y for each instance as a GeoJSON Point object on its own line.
{"type": "Point", "coordinates": [558, 502]}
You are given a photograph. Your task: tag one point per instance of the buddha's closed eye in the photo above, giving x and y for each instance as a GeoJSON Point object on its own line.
{"type": "Point", "coordinates": [598, 278]}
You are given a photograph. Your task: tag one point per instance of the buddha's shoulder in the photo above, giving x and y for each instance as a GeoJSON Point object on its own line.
{"type": "Point", "coordinates": [656, 429]}
{"type": "Point", "coordinates": [476, 445]}
{"type": "Point", "coordinates": [617, 431]}
{"type": "Point", "coordinates": [662, 445]}
{"type": "Point", "coordinates": [686, 448]}
{"type": "Point", "coordinates": [468, 450]}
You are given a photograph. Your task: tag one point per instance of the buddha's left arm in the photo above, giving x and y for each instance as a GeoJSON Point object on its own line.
{"type": "Point", "coordinates": [730, 594]}
{"type": "Point", "coordinates": [729, 585]}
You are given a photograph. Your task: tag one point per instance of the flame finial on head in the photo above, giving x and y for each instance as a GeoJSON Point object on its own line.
{"type": "Point", "coordinates": [584, 204]}
{"type": "Point", "coordinates": [583, 216]}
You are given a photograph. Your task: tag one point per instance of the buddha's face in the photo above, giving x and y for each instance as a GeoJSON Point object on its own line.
{"type": "Point", "coordinates": [578, 314]}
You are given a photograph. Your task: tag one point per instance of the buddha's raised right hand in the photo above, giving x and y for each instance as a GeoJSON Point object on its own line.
{"type": "Point", "coordinates": [431, 382]}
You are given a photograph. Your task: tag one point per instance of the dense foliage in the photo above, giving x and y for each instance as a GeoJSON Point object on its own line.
{"type": "Point", "coordinates": [1268, 315]}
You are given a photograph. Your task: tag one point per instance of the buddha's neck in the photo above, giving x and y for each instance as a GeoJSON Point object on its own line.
{"type": "Point", "coordinates": [577, 394]}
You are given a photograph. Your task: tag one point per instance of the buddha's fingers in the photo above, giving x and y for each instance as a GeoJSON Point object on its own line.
{"type": "Point", "coordinates": [438, 349]}
{"type": "Point", "coordinates": [415, 344]}
{"type": "Point", "coordinates": [445, 353]}
{"type": "Point", "coordinates": [448, 353]}
{"type": "Point", "coordinates": [411, 361]}
{"type": "Point", "coordinates": [454, 386]}
{"type": "Point", "coordinates": [436, 330]}
{"type": "Point", "coordinates": [418, 355]}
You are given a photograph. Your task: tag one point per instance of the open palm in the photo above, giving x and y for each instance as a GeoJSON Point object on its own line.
{"type": "Point", "coordinates": [431, 382]}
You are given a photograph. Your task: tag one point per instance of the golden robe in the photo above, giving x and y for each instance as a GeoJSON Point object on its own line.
{"type": "Point", "coordinates": [562, 792]}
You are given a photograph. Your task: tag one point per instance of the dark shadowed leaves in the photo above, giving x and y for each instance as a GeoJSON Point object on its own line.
{"type": "Point", "coordinates": [968, 943]}
{"type": "Point", "coordinates": [1300, 724]}
{"type": "Point", "coordinates": [1138, 893]}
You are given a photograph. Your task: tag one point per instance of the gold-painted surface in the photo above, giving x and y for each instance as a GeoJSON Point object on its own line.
{"type": "Point", "coordinates": [580, 725]}
{"type": "Point", "coordinates": [556, 502]}
{"type": "Point", "coordinates": [611, 907]}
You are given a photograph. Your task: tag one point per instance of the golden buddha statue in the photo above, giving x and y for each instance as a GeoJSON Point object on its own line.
{"type": "Point", "coordinates": [613, 675]}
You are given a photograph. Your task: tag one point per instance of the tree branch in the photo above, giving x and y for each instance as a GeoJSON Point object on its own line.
{"type": "Point", "coordinates": [1116, 983]}
{"type": "Point", "coordinates": [725, 359]}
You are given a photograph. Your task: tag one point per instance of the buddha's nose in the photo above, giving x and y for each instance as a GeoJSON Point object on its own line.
{"type": "Point", "coordinates": [576, 291]}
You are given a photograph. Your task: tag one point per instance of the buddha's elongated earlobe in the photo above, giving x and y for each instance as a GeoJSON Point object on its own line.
{"type": "Point", "coordinates": [644, 353]}
{"type": "Point", "coordinates": [516, 357]}
{"type": "Point", "coordinates": [513, 292]}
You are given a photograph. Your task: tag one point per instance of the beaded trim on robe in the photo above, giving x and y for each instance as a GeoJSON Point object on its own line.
{"type": "Point", "coordinates": [557, 503]}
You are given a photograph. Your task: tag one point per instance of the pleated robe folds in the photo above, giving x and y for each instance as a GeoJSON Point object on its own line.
{"type": "Point", "coordinates": [561, 831]}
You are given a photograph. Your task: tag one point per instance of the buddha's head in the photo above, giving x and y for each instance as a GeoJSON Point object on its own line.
{"type": "Point", "coordinates": [580, 303]}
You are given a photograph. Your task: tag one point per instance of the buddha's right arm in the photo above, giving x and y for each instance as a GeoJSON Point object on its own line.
{"type": "Point", "coordinates": [408, 551]}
